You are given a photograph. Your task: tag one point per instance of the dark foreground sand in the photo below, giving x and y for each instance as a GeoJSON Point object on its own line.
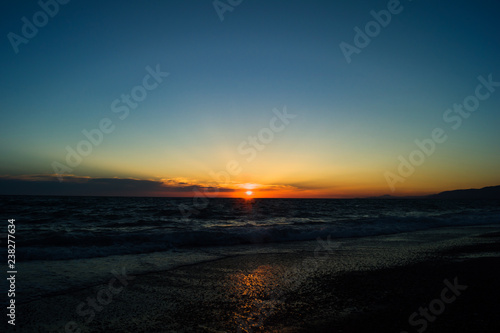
{"type": "Point", "coordinates": [368, 285]}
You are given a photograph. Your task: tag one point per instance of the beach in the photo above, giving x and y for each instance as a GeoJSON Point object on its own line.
{"type": "Point", "coordinates": [372, 284]}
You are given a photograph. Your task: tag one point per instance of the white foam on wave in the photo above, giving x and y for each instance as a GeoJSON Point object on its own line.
{"type": "Point", "coordinates": [90, 245]}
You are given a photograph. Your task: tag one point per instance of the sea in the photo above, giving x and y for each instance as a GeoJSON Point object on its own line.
{"type": "Point", "coordinates": [70, 243]}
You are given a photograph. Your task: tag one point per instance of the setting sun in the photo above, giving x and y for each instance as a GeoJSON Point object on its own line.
{"type": "Point", "coordinates": [249, 192]}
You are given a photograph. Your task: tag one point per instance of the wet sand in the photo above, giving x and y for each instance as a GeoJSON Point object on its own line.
{"type": "Point", "coordinates": [373, 284]}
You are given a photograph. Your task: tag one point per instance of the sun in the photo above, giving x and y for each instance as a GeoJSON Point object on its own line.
{"type": "Point", "coordinates": [249, 192]}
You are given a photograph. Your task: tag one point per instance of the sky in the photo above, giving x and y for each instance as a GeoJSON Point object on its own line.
{"type": "Point", "coordinates": [316, 99]}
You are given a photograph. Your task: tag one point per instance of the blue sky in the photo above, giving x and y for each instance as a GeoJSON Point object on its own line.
{"type": "Point", "coordinates": [353, 120]}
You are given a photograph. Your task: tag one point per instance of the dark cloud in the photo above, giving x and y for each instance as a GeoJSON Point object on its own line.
{"type": "Point", "coordinates": [73, 185]}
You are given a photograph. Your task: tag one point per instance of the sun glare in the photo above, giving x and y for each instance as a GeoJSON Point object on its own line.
{"type": "Point", "coordinates": [249, 192]}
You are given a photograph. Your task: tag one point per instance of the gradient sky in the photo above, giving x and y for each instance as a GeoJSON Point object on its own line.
{"type": "Point", "coordinates": [225, 79]}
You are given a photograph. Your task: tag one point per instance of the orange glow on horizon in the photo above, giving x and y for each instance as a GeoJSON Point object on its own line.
{"type": "Point", "coordinates": [282, 187]}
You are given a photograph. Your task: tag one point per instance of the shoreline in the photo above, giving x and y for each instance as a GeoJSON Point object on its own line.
{"type": "Point", "coordinates": [81, 274]}
{"type": "Point", "coordinates": [304, 290]}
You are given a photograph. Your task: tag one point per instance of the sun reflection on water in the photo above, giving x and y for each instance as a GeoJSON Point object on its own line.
{"type": "Point", "coordinates": [255, 294]}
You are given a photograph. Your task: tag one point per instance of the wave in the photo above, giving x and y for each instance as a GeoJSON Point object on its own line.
{"type": "Point", "coordinates": [79, 244]}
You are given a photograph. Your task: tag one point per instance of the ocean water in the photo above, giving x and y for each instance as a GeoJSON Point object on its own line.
{"type": "Point", "coordinates": [65, 243]}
